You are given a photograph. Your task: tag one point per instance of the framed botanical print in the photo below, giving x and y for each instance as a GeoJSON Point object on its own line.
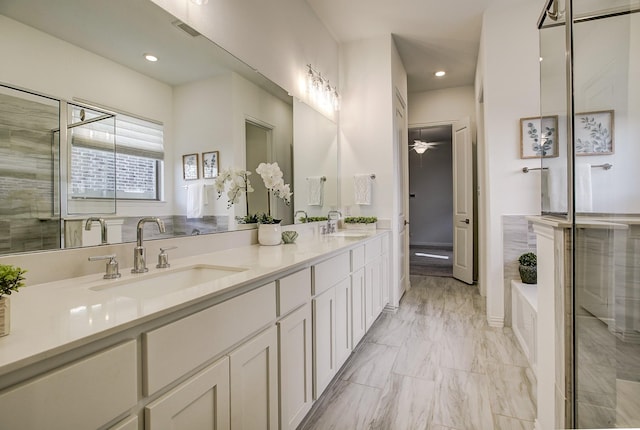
{"type": "Point", "coordinates": [539, 137]}
{"type": "Point", "coordinates": [190, 166]}
{"type": "Point", "coordinates": [594, 133]}
{"type": "Point", "coordinates": [210, 164]}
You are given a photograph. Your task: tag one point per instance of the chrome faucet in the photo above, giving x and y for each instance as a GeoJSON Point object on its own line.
{"type": "Point", "coordinates": [332, 222]}
{"type": "Point", "coordinates": [139, 262]}
{"type": "Point", "coordinates": [332, 213]}
{"type": "Point", "coordinates": [103, 228]}
{"type": "Point", "coordinates": [302, 212]}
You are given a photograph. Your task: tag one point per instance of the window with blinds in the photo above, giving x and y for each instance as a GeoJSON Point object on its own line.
{"type": "Point", "coordinates": [114, 153]}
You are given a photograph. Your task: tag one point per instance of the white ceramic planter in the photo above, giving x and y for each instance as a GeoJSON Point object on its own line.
{"type": "Point", "coordinates": [5, 316]}
{"type": "Point", "coordinates": [269, 234]}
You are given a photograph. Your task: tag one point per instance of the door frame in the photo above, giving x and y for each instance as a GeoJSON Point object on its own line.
{"type": "Point", "coordinates": [474, 163]}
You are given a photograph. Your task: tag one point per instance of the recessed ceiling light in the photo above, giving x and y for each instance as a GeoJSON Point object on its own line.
{"type": "Point", "coordinates": [150, 57]}
{"type": "Point", "coordinates": [440, 73]}
{"type": "Point", "coordinates": [541, 59]}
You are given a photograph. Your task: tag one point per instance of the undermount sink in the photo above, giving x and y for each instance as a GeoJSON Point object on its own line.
{"type": "Point", "coordinates": [350, 233]}
{"type": "Point", "coordinates": [165, 282]}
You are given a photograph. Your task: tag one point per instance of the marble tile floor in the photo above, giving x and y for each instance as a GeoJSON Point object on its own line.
{"type": "Point", "coordinates": [436, 365]}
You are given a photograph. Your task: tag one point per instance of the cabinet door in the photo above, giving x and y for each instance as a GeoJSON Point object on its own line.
{"type": "Point", "coordinates": [384, 279]}
{"type": "Point", "coordinates": [343, 321]}
{"type": "Point", "coordinates": [254, 383]}
{"type": "Point", "coordinates": [324, 353]}
{"type": "Point", "coordinates": [373, 292]}
{"type": "Point", "coordinates": [295, 367]}
{"type": "Point", "coordinates": [85, 394]}
{"type": "Point", "coordinates": [200, 403]}
{"type": "Point", "coordinates": [358, 320]}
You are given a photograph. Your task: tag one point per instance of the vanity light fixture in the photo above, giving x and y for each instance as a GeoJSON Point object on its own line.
{"type": "Point", "coordinates": [440, 73]}
{"type": "Point", "coordinates": [320, 91]}
{"type": "Point", "coordinates": [150, 57]}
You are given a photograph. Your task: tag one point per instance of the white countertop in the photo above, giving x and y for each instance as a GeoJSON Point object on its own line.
{"type": "Point", "coordinates": [55, 317]}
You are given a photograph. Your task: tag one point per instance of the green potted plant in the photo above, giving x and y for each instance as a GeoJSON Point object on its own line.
{"type": "Point", "coordinates": [528, 268]}
{"type": "Point", "coordinates": [11, 279]}
{"type": "Point", "coordinates": [360, 222]}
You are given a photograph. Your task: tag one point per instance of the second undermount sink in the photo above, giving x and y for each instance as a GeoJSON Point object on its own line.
{"type": "Point", "coordinates": [350, 233]}
{"type": "Point", "coordinates": [165, 282]}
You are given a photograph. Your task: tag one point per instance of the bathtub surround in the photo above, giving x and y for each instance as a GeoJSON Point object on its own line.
{"type": "Point", "coordinates": [518, 237]}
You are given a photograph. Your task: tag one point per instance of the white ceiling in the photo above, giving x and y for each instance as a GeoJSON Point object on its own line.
{"type": "Point", "coordinates": [430, 35]}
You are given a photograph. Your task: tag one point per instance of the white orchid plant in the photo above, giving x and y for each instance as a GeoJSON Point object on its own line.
{"type": "Point", "coordinates": [239, 185]}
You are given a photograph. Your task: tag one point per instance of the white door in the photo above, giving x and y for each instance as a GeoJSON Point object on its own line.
{"type": "Point", "coordinates": [401, 204]}
{"type": "Point", "coordinates": [462, 202]}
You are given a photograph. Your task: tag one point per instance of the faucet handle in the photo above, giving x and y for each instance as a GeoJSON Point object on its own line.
{"type": "Point", "coordinates": [163, 258]}
{"type": "Point", "coordinates": [111, 270]}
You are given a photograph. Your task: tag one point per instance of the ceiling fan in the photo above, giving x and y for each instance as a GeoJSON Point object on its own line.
{"type": "Point", "coordinates": [421, 147]}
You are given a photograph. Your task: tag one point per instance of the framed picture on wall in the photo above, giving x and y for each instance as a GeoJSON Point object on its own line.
{"type": "Point", "coordinates": [539, 137]}
{"type": "Point", "coordinates": [190, 167]}
{"type": "Point", "coordinates": [594, 133]}
{"type": "Point", "coordinates": [210, 164]}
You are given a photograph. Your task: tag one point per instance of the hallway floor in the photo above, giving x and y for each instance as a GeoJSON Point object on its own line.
{"type": "Point", "coordinates": [435, 364]}
{"type": "Point", "coordinates": [430, 261]}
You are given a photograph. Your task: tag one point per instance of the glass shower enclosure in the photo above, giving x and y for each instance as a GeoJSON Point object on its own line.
{"type": "Point", "coordinates": [590, 124]}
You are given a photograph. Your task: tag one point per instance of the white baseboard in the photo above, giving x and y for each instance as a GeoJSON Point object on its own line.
{"type": "Point", "coordinates": [497, 322]}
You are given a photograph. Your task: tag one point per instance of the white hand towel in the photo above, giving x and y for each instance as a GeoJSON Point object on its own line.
{"type": "Point", "coordinates": [362, 189]}
{"type": "Point", "coordinates": [557, 183]}
{"type": "Point", "coordinates": [315, 193]}
{"type": "Point", "coordinates": [584, 194]}
{"type": "Point", "coordinates": [195, 200]}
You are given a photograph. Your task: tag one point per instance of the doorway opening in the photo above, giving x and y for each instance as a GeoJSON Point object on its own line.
{"type": "Point", "coordinates": [258, 147]}
{"type": "Point", "coordinates": [431, 200]}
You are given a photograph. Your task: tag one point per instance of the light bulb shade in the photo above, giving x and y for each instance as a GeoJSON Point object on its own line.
{"type": "Point", "coordinates": [420, 149]}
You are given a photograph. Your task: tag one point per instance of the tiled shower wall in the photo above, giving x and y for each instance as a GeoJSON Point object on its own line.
{"type": "Point", "coordinates": [517, 238]}
{"type": "Point", "coordinates": [27, 220]}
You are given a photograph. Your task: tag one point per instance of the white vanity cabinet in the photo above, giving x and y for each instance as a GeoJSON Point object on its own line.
{"type": "Point", "coordinates": [294, 343]}
{"type": "Point", "coordinates": [86, 394]}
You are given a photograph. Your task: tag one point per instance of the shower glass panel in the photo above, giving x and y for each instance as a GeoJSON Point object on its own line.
{"type": "Point", "coordinates": [551, 131]}
{"type": "Point", "coordinates": [606, 244]}
{"type": "Point", "coordinates": [589, 79]}
{"type": "Point", "coordinates": [91, 176]}
{"type": "Point", "coordinates": [29, 163]}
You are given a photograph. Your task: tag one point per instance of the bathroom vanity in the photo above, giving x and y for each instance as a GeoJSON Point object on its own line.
{"type": "Point", "coordinates": [247, 337]}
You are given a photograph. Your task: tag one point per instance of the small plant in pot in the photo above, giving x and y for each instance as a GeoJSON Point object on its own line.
{"type": "Point", "coordinates": [360, 222]}
{"type": "Point", "coordinates": [528, 268]}
{"type": "Point", "coordinates": [11, 279]}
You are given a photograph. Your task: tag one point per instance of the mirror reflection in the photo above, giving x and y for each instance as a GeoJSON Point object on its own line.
{"type": "Point", "coordinates": [75, 80]}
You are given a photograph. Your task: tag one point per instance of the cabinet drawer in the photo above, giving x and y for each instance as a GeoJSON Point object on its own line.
{"type": "Point", "coordinates": [372, 249]}
{"type": "Point", "coordinates": [177, 348]}
{"type": "Point", "coordinates": [85, 394]}
{"type": "Point", "coordinates": [330, 272]}
{"type": "Point", "coordinates": [357, 258]}
{"type": "Point", "coordinates": [293, 291]}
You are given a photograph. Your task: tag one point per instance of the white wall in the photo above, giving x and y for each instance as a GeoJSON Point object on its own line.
{"type": "Point", "coordinates": [202, 118]}
{"type": "Point", "coordinates": [366, 124]}
{"type": "Point", "coordinates": [508, 73]}
{"type": "Point", "coordinates": [315, 154]}
{"type": "Point", "coordinates": [277, 37]}
{"type": "Point", "coordinates": [447, 105]}
{"type": "Point", "coordinates": [39, 62]}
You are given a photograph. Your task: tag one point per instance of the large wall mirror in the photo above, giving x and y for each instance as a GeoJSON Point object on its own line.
{"type": "Point", "coordinates": [90, 128]}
